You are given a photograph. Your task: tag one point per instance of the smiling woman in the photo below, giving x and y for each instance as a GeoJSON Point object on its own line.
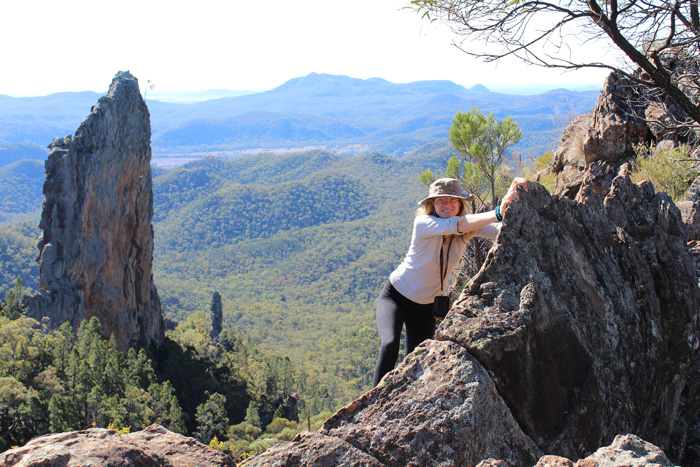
{"type": "Point", "coordinates": [447, 207]}
{"type": "Point", "coordinates": [414, 296]}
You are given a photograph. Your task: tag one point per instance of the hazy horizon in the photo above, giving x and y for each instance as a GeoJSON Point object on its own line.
{"type": "Point", "coordinates": [76, 45]}
{"type": "Point", "coordinates": [202, 94]}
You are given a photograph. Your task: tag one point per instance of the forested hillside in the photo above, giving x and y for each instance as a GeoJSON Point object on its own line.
{"type": "Point", "coordinates": [18, 255]}
{"type": "Point", "coordinates": [298, 246]}
{"type": "Point", "coordinates": [54, 381]}
{"type": "Point", "coordinates": [21, 196]}
{"type": "Point", "coordinates": [10, 153]}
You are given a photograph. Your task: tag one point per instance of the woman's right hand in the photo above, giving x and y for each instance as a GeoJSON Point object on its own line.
{"type": "Point", "coordinates": [512, 195]}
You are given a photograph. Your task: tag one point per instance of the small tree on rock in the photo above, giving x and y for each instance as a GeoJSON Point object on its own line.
{"type": "Point", "coordinates": [481, 143]}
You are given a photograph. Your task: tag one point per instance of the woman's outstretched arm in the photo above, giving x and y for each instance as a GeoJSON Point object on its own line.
{"type": "Point", "coordinates": [472, 222]}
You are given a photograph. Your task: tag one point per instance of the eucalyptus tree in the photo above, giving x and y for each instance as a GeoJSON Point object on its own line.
{"type": "Point", "coordinates": [481, 143]}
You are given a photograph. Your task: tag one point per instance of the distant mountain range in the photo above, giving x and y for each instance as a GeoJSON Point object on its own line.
{"type": "Point", "coordinates": [343, 114]}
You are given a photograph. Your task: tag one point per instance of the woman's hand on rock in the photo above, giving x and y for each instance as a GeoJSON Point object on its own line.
{"type": "Point", "coordinates": [519, 183]}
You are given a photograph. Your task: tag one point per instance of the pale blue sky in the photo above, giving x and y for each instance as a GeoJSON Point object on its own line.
{"type": "Point", "coordinates": [76, 45]}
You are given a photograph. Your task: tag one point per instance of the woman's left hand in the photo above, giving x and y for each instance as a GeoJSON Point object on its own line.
{"type": "Point", "coordinates": [512, 195]}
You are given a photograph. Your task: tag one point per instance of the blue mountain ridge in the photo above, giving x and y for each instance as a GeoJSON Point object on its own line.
{"type": "Point", "coordinates": [322, 110]}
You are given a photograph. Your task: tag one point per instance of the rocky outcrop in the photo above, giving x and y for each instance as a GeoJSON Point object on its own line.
{"type": "Point", "coordinates": [623, 110]}
{"type": "Point", "coordinates": [617, 122]}
{"type": "Point", "coordinates": [625, 451]}
{"type": "Point", "coordinates": [438, 408]}
{"type": "Point", "coordinates": [97, 246]}
{"type": "Point", "coordinates": [157, 447]}
{"type": "Point", "coordinates": [586, 316]}
{"type": "Point", "coordinates": [288, 406]}
{"type": "Point", "coordinates": [582, 324]}
{"type": "Point", "coordinates": [99, 447]}
{"type": "Point", "coordinates": [595, 147]}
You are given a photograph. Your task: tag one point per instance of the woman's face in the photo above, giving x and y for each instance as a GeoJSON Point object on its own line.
{"type": "Point", "coordinates": [447, 206]}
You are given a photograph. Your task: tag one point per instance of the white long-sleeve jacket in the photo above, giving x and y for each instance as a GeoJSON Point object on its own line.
{"type": "Point", "coordinates": [418, 276]}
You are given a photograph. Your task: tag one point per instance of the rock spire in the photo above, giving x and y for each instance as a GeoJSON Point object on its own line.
{"type": "Point", "coordinates": [97, 246]}
{"type": "Point", "coordinates": [216, 316]}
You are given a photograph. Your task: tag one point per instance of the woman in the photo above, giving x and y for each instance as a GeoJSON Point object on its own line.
{"type": "Point", "coordinates": [440, 229]}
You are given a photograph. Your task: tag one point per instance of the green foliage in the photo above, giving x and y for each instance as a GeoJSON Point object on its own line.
{"type": "Point", "coordinates": [10, 307]}
{"type": "Point", "coordinates": [238, 212]}
{"type": "Point", "coordinates": [252, 416]}
{"type": "Point", "coordinates": [56, 381]}
{"type": "Point", "coordinates": [427, 178]}
{"type": "Point", "coordinates": [211, 418]}
{"type": "Point", "coordinates": [670, 170]}
{"type": "Point", "coordinates": [279, 424]}
{"type": "Point", "coordinates": [543, 161]}
{"type": "Point", "coordinates": [22, 195]}
{"type": "Point", "coordinates": [305, 289]}
{"type": "Point", "coordinates": [537, 170]}
{"type": "Point", "coordinates": [481, 140]}
{"type": "Point", "coordinates": [18, 254]}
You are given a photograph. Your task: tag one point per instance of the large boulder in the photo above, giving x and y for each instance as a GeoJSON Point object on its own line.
{"type": "Point", "coordinates": [617, 122]}
{"type": "Point", "coordinates": [99, 447]}
{"type": "Point", "coordinates": [625, 451]}
{"type": "Point", "coordinates": [586, 317]}
{"type": "Point", "coordinates": [439, 407]}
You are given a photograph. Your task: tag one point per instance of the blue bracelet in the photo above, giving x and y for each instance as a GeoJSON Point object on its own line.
{"type": "Point", "coordinates": [499, 217]}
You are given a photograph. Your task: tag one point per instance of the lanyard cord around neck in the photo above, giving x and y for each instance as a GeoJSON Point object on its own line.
{"type": "Point", "coordinates": [443, 271]}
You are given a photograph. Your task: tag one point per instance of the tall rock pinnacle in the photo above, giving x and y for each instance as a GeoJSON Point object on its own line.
{"type": "Point", "coordinates": [97, 245]}
{"type": "Point", "coordinates": [216, 316]}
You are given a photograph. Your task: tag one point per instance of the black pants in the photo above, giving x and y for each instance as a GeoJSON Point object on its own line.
{"type": "Point", "coordinates": [393, 311]}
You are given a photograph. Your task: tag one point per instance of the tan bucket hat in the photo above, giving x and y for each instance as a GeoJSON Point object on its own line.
{"type": "Point", "coordinates": [447, 187]}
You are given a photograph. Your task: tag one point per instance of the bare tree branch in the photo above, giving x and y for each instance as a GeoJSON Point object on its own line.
{"type": "Point", "coordinates": [651, 35]}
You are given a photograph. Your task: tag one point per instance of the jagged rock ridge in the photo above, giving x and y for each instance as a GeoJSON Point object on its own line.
{"type": "Point", "coordinates": [157, 447]}
{"type": "Point", "coordinates": [97, 246]}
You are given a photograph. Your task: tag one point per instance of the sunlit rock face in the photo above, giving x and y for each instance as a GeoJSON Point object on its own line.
{"type": "Point", "coordinates": [97, 246]}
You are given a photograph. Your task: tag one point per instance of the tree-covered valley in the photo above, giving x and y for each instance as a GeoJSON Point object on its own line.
{"type": "Point", "coordinates": [297, 245]}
